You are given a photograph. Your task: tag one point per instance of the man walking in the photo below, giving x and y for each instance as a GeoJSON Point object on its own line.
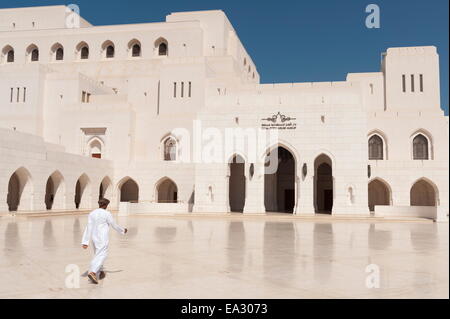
{"type": "Point", "coordinates": [97, 230]}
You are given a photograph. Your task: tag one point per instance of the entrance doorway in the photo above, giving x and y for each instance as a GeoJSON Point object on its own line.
{"type": "Point", "coordinates": [323, 180]}
{"type": "Point", "coordinates": [279, 186]}
{"type": "Point", "coordinates": [237, 184]}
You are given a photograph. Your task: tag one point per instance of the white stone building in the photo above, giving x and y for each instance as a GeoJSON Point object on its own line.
{"type": "Point", "coordinates": [89, 111]}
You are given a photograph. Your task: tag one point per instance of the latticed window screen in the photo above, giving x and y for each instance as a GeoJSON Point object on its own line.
{"type": "Point", "coordinates": [375, 148]}
{"type": "Point", "coordinates": [170, 150]}
{"type": "Point", "coordinates": [420, 148]}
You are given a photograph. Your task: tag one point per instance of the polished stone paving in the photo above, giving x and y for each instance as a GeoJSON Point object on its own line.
{"type": "Point", "coordinates": [202, 257]}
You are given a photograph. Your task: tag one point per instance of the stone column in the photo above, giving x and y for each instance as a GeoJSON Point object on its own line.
{"type": "Point", "coordinates": [254, 201]}
{"type": "Point", "coordinates": [305, 199]}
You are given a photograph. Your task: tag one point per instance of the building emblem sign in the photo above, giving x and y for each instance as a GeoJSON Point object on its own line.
{"type": "Point", "coordinates": [279, 122]}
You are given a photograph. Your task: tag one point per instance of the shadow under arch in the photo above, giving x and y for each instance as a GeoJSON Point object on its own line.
{"type": "Point", "coordinates": [55, 191]}
{"type": "Point", "coordinates": [20, 190]}
{"type": "Point", "coordinates": [379, 193]}
{"type": "Point", "coordinates": [323, 184]}
{"type": "Point", "coordinates": [166, 191]}
{"type": "Point", "coordinates": [424, 192]}
{"type": "Point", "coordinates": [128, 190]}
{"type": "Point", "coordinates": [280, 179]}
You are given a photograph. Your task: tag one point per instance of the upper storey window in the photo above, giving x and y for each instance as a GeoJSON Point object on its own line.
{"type": "Point", "coordinates": [33, 53]}
{"type": "Point", "coordinates": [58, 52]}
{"type": "Point", "coordinates": [134, 48]}
{"type": "Point", "coordinates": [376, 148]}
{"type": "Point", "coordinates": [170, 149]}
{"type": "Point", "coordinates": [8, 54]}
{"type": "Point", "coordinates": [109, 50]}
{"type": "Point", "coordinates": [136, 51]}
{"type": "Point", "coordinates": [162, 47]}
{"type": "Point", "coordinates": [83, 51]}
{"type": "Point", "coordinates": [420, 148]}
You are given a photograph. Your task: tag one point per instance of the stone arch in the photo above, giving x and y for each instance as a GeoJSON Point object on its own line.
{"type": "Point", "coordinates": [161, 47]}
{"type": "Point", "coordinates": [134, 48]}
{"type": "Point", "coordinates": [379, 193]}
{"type": "Point", "coordinates": [83, 193]}
{"type": "Point", "coordinates": [383, 138]}
{"type": "Point", "coordinates": [20, 191]}
{"type": "Point", "coordinates": [280, 180]}
{"type": "Point", "coordinates": [323, 184]}
{"type": "Point", "coordinates": [170, 148]}
{"type": "Point", "coordinates": [128, 190]}
{"type": "Point", "coordinates": [236, 183]}
{"type": "Point", "coordinates": [8, 54]}
{"type": "Point", "coordinates": [424, 193]}
{"type": "Point", "coordinates": [108, 50]}
{"type": "Point", "coordinates": [82, 50]}
{"type": "Point", "coordinates": [105, 189]}
{"type": "Point", "coordinates": [429, 138]}
{"type": "Point", "coordinates": [96, 147]}
{"type": "Point", "coordinates": [55, 192]}
{"type": "Point", "coordinates": [166, 191]}
{"type": "Point", "coordinates": [32, 53]}
{"type": "Point", "coordinates": [57, 52]}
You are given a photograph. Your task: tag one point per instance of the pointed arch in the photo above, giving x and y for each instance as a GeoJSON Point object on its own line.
{"type": "Point", "coordinates": [166, 191]}
{"type": "Point", "coordinates": [379, 193]}
{"type": "Point", "coordinates": [20, 191]}
{"type": "Point", "coordinates": [323, 184]}
{"type": "Point", "coordinates": [105, 189]}
{"type": "Point", "coordinates": [32, 53]}
{"type": "Point", "coordinates": [82, 50]}
{"type": "Point", "coordinates": [421, 142]}
{"type": "Point", "coordinates": [161, 47]}
{"type": "Point", "coordinates": [280, 178]}
{"type": "Point", "coordinates": [96, 147]}
{"type": "Point", "coordinates": [83, 194]}
{"type": "Point", "coordinates": [134, 48]}
{"type": "Point", "coordinates": [170, 149]}
{"type": "Point", "coordinates": [128, 190]}
{"type": "Point", "coordinates": [8, 55]}
{"type": "Point", "coordinates": [378, 145]}
{"type": "Point", "coordinates": [55, 192]}
{"type": "Point", "coordinates": [424, 192]}
{"type": "Point", "coordinates": [57, 52]}
{"type": "Point", "coordinates": [108, 49]}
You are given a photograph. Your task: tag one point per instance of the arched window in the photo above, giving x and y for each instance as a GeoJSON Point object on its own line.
{"type": "Point", "coordinates": [108, 49]}
{"type": "Point", "coordinates": [35, 55]}
{"type": "Point", "coordinates": [110, 52]}
{"type": "Point", "coordinates": [162, 49]}
{"type": "Point", "coordinates": [84, 53]}
{"type": "Point", "coordinates": [32, 53]}
{"type": "Point", "coordinates": [136, 50]}
{"type": "Point", "coordinates": [170, 149]}
{"type": "Point", "coordinates": [376, 148]}
{"type": "Point", "coordinates": [420, 148]}
{"type": "Point", "coordinates": [59, 55]}
{"type": "Point", "coordinates": [10, 56]}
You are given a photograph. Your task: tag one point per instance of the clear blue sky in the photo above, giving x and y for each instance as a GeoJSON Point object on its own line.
{"type": "Point", "coordinates": [299, 40]}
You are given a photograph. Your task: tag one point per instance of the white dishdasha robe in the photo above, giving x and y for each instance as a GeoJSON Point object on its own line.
{"type": "Point", "coordinates": [97, 230]}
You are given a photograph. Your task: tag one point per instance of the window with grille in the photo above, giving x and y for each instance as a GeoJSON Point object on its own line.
{"type": "Point", "coordinates": [376, 148]}
{"type": "Point", "coordinates": [420, 148]}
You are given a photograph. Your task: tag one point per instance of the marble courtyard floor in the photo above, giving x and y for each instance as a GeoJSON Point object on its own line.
{"type": "Point", "coordinates": [227, 257]}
